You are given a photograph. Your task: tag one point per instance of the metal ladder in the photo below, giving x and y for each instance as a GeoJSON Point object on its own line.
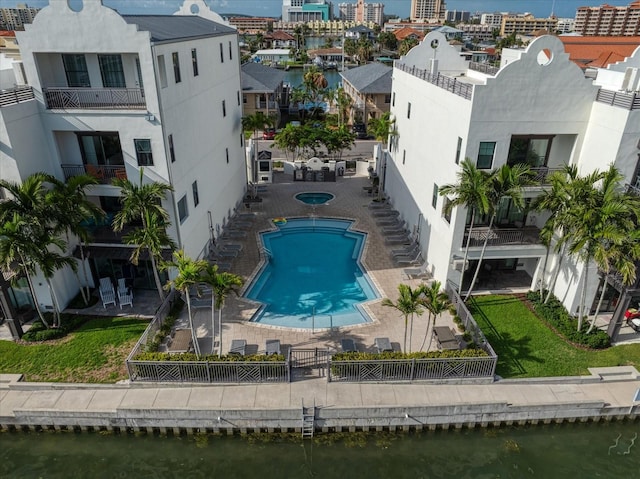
{"type": "Point", "coordinates": [308, 420]}
{"type": "Point", "coordinates": [267, 253]}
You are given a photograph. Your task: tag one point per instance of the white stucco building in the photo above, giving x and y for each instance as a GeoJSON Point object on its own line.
{"type": "Point", "coordinates": [125, 94]}
{"type": "Point", "coordinates": [537, 108]}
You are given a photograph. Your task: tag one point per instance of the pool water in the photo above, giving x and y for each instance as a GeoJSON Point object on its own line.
{"type": "Point", "coordinates": [312, 278]}
{"type": "Point", "coordinates": [314, 198]}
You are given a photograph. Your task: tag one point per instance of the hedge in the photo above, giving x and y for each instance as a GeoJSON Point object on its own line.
{"type": "Point", "coordinates": [68, 323]}
{"type": "Point", "coordinates": [151, 356]}
{"type": "Point", "coordinates": [459, 353]}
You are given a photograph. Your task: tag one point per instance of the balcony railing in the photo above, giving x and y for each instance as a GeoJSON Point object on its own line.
{"type": "Point", "coordinates": [465, 90]}
{"type": "Point", "coordinates": [16, 95]}
{"type": "Point", "coordinates": [634, 189]}
{"type": "Point", "coordinates": [103, 173]}
{"type": "Point", "coordinates": [542, 174]}
{"type": "Point", "coordinates": [95, 98]}
{"type": "Point", "coordinates": [503, 236]}
{"type": "Point", "coordinates": [483, 68]}
{"type": "Point", "coordinates": [628, 101]}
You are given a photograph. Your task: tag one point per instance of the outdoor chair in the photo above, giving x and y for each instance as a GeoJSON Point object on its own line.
{"type": "Point", "coordinates": [410, 259]}
{"type": "Point", "coordinates": [125, 294]}
{"type": "Point", "coordinates": [238, 347]}
{"type": "Point", "coordinates": [406, 250]}
{"type": "Point", "coordinates": [382, 345]}
{"type": "Point", "coordinates": [107, 293]}
{"type": "Point", "coordinates": [421, 271]}
{"type": "Point", "coordinates": [272, 346]}
{"type": "Point", "coordinates": [348, 345]}
{"type": "Point", "coordinates": [384, 213]}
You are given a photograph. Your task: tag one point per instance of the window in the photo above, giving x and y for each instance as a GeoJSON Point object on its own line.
{"type": "Point", "coordinates": [227, 152]}
{"type": "Point", "coordinates": [194, 61]}
{"type": "Point", "coordinates": [458, 150]}
{"type": "Point", "coordinates": [172, 152]}
{"type": "Point", "coordinates": [485, 154]}
{"type": "Point", "coordinates": [176, 67]}
{"type": "Point", "coordinates": [221, 54]}
{"type": "Point", "coordinates": [404, 156]}
{"type": "Point", "coordinates": [183, 209]}
{"type": "Point", "coordinates": [241, 139]}
{"type": "Point", "coordinates": [111, 71]}
{"type": "Point", "coordinates": [387, 98]}
{"type": "Point", "coordinates": [230, 51]}
{"type": "Point", "coordinates": [224, 108]}
{"type": "Point", "coordinates": [143, 152]}
{"type": "Point", "coordinates": [244, 99]}
{"type": "Point", "coordinates": [163, 71]}
{"type": "Point", "coordinates": [238, 97]}
{"type": "Point", "coordinates": [196, 197]}
{"type": "Point", "coordinates": [75, 67]}
{"type": "Point", "coordinates": [446, 209]}
{"type": "Point", "coordinates": [532, 150]}
{"type": "Point", "coordinates": [100, 148]}
{"type": "Point", "coordinates": [393, 99]}
{"type": "Point", "coordinates": [434, 196]}
{"type": "Point", "coordinates": [409, 110]}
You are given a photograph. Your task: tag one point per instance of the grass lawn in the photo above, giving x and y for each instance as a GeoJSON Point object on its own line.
{"type": "Point", "coordinates": [526, 347]}
{"type": "Point", "coordinates": [95, 352]}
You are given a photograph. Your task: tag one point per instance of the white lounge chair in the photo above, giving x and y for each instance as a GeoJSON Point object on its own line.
{"type": "Point", "coordinates": [107, 293]}
{"type": "Point", "coordinates": [125, 294]}
{"type": "Point", "coordinates": [410, 259]}
{"type": "Point", "coordinates": [419, 272]}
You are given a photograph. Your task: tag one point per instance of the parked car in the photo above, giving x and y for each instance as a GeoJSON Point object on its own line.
{"type": "Point", "coordinates": [268, 133]}
{"type": "Point", "coordinates": [360, 130]}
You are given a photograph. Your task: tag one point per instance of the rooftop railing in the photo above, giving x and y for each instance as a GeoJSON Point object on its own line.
{"type": "Point", "coordinates": [465, 90]}
{"type": "Point", "coordinates": [621, 99]}
{"type": "Point", "coordinates": [94, 98]}
{"type": "Point", "coordinates": [16, 95]}
{"type": "Point", "coordinates": [483, 68]}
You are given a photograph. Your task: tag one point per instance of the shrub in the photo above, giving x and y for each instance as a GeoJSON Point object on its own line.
{"type": "Point", "coordinates": [167, 325]}
{"type": "Point", "coordinates": [554, 314]}
{"type": "Point", "coordinates": [154, 356]}
{"type": "Point", "coordinates": [454, 353]}
{"type": "Point", "coordinates": [69, 323]}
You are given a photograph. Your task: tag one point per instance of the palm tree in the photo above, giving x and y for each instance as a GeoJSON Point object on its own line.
{"type": "Point", "coordinates": [408, 304]}
{"type": "Point", "coordinates": [151, 238]}
{"type": "Point", "coordinates": [257, 121]}
{"type": "Point", "coordinates": [189, 275]}
{"type": "Point", "coordinates": [343, 102]}
{"type": "Point", "coordinates": [142, 202]}
{"type": "Point", "coordinates": [472, 192]}
{"type": "Point", "coordinates": [506, 182]}
{"type": "Point", "coordinates": [28, 199]}
{"type": "Point", "coordinates": [436, 301]}
{"type": "Point", "coordinates": [74, 209]}
{"type": "Point", "coordinates": [381, 127]}
{"type": "Point", "coordinates": [222, 283]}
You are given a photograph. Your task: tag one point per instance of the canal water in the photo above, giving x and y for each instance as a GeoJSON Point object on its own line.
{"type": "Point", "coordinates": [607, 450]}
{"type": "Point", "coordinates": [294, 77]}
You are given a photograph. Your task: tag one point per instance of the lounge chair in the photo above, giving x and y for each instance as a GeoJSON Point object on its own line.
{"type": "Point", "coordinates": [107, 293]}
{"type": "Point", "coordinates": [398, 239]}
{"type": "Point", "coordinates": [419, 272]}
{"type": "Point", "coordinates": [407, 250]}
{"type": "Point", "coordinates": [382, 345]}
{"type": "Point", "coordinates": [233, 233]}
{"type": "Point", "coordinates": [216, 252]}
{"type": "Point", "coordinates": [409, 259]}
{"type": "Point", "coordinates": [384, 213]}
{"type": "Point", "coordinates": [348, 345]}
{"type": "Point", "coordinates": [125, 294]}
{"type": "Point", "coordinates": [238, 347]}
{"type": "Point", "coordinates": [272, 346]}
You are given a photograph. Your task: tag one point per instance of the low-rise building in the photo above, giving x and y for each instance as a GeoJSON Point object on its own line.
{"type": "Point", "coordinates": [369, 86]}
{"type": "Point", "coordinates": [262, 89]}
{"type": "Point", "coordinates": [527, 24]}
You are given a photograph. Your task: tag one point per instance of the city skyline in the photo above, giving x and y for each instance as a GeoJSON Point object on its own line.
{"type": "Point", "coordinates": [540, 8]}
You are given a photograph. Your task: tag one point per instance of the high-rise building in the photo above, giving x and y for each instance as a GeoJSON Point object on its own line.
{"type": "Point", "coordinates": [422, 10]}
{"type": "Point", "coordinates": [15, 18]}
{"type": "Point", "coordinates": [527, 24]}
{"type": "Point", "coordinates": [457, 16]}
{"type": "Point", "coordinates": [362, 12]}
{"type": "Point", "coordinates": [608, 20]}
{"type": "Point", "coordinates": [305, 10]}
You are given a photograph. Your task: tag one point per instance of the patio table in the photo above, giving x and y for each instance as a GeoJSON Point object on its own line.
{"type": "Point", "coordinates": [445, 338]}
{"type": "Point", "coordinates": [182, 341]}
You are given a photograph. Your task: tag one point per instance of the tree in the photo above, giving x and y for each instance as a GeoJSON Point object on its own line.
{"type": "Point", "coordinates": [222, 283]}
{"type": "Point", "coordinates": [505, 182]}
{"type": "Point", "coordinates": [381, 127]}
{"type": "Point", "coordinates": [288, 139]}
{"type": "Point", "coordinates": [142, 202]}
{"type": "Point", "coordinates": [349, 47]}
{"type": "Point", "coordinates": [472, 192]}
{"type": "Point", "coordinates": [343, 102]}
{"type": "Point", "coordinates": [74, 210]}
{"type": "Point", "coordinates": [436, 301]}
{"type": "Point", "coordinates": [364, 48]}
{"type": "Point", "coordinates": [257, 121]}
{"type": "Point", "coordinates": [408, 304]}
{"type": "Point", "coordinates": [188, 276]}
{"type": "Point", "coordinates": [152, 238]}
{"type": "Point", "coordinates": [336, 141]}
{"type": "Point", "coordinates": [406, 45]}
{"type": "Point", "coordinates": [388, 40]}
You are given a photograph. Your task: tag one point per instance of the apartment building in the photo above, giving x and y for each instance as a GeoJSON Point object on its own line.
{"type": "Point", "coordinates": [493, 20]}
{"type": "Point", "coordinates": [527, 24]}
{"type": "Point", "coordinates": [427, 10]}
{"type": "Point", "coordinates": [362, 12]}
{"type": "Point", "coordinates": [538, 108]}
{"type": "Point", "coordinates": [16, 18]}
{"type": "Point", "coordinates": [252, 24]}
{"type": "Point", "coordinates": [127, 94]}
{"type": "Point", "coordinates": [608, 20]}
{"type": "Point", "coordinates": [306, 10]}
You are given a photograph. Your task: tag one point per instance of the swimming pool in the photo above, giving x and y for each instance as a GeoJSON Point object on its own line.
{"type": "Point", "coordinates": [312, 278]}
{"type": "Point", "coordinates": [314, 198]}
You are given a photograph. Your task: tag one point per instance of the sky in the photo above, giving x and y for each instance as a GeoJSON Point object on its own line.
{"type": "Point", "coordinates": [540, 8]}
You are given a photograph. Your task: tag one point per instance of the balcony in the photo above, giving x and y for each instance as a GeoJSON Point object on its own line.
{"type": "Point", "coordinates": [541, 174]}
{"type": "Point", "coordinates": [94, 98]}
{"type": "Point", "coordinates": [503, 236]}
{"type": "Point", "coordinates": [16, 95]}
{"type": "Point", "coordinates": [465, 90]}
{"type": "Point", "coordinates": [103, 173]}
{"type": "Point", "coordinates": [628, 101]}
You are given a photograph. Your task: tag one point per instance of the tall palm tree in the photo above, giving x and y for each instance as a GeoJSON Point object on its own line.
{"type": "Point", "coordinates": [142, 202]}
{"type": "Point", "coordinates": [257, 121]}
{"type": "Point", "coordinates": [602, 219]}
{"type": "Point", "coordinates": [436, 301]}
{"type": "Point", "coordinates": [408, 304]}
{"type": "Point", "coordinates": [472, 192]}
{"type": "Point", "coordinates": [151, 238]}
{"type": "Point", "coordinates": [222, 283]}
{"type": "Point", "coordinates": [28, 199]}
{"type": "Point", "coordinates": [506, 182]}
{"type": "Point", "coordinates": [343, 103]}
{"type": "Point", "coordinates": [189, 273]}
{"type": "Point", "coordinates": [73, 211]}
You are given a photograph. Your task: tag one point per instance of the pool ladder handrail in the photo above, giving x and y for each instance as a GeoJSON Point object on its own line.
{"type": "Point", "coordinates": [266, 253]}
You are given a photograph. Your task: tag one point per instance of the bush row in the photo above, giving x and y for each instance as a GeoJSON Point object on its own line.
{"type": "Point", "coordinates": [454, 353]}
{"type": "Point", "coordinates": [39, 332]}
{"type": "Point", "coordinates": [555, 314]}
{"type": "Point", "coordinates": [151, 356]}
{"type": "Point", "coordinates": [167, 325]}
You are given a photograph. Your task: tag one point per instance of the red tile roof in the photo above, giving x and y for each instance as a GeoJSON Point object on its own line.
{"type": "Point", "coordinates": [599, 51]}
{"type": "Point", "coordinates": [405, 32]}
